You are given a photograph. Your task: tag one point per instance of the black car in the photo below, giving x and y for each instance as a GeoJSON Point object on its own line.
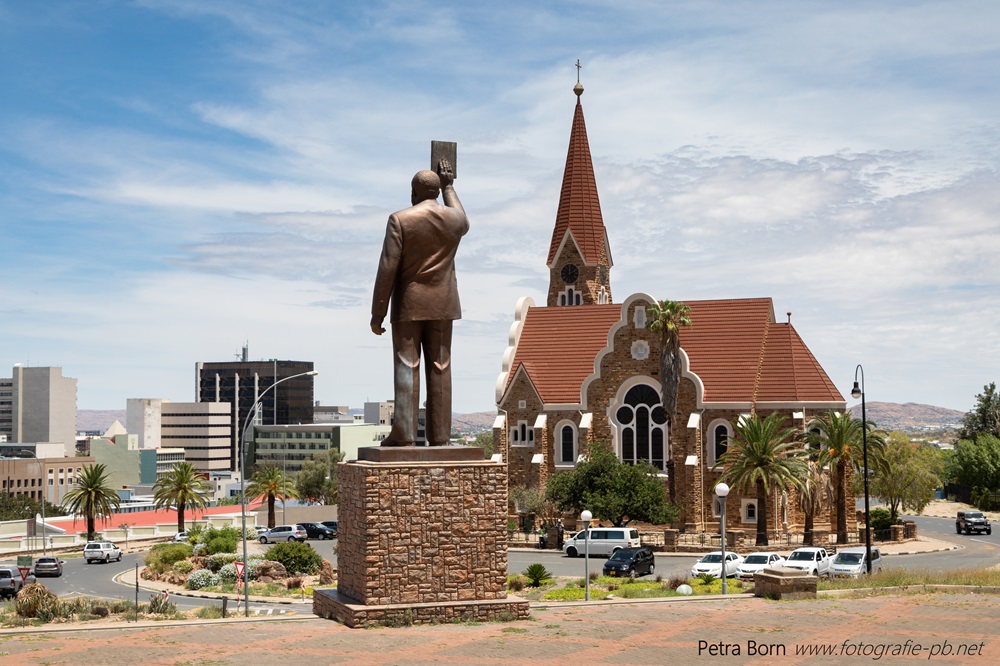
{"type": "Point", "coordinates": [972, 521]}
{"type": "Point", "coordinates": [318, 531]}
{"type": "Point", "coordinates": [332, 525]}
{"type": "Point", "coordinates": [631, 561]}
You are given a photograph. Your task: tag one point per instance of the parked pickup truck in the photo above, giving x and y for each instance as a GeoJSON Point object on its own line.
{"type": "Point", "coordinates": [811, 559]}
{"type": "Point", "coordinates": [10, 580]}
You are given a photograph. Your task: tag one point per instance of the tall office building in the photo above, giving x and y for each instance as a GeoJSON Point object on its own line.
{"type": "Point", "coordinates": [242, 383]}
{"type": "Point", "coordinates": [202, 429]}
{"type": "Point", "coordinates": [40, 407]}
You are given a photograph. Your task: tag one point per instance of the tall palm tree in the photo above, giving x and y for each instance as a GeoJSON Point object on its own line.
{"type": "Point", "coordinates": [763, 455]}
{"type": "Point", "coordinates": [839, 439]}
{"type": "Point", "coordinates": [815, 491]}
{"type": "Point", "coordinates": [92, 496]}
{"type": "Point", "coordinates": [181, 487]}
{"type": "Point", "coordinates": [666, 318]}
{"type": "Point", "coordinates": [271, 483]}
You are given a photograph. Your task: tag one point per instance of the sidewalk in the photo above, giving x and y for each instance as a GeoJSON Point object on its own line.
{"type": "Point", "coordinates": [711, 631]}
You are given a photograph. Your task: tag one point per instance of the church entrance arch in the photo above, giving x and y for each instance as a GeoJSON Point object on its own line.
{"type": "Point", "coordinates": [641, 425]}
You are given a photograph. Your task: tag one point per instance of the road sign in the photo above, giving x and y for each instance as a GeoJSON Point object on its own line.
{"type": "Point", "coordinates": [24, 573]}
{"type": "Point", "coordinates": [239, 570]}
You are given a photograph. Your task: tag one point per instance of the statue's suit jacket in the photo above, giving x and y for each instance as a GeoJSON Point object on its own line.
{"type": "Point", "coordinates": [417, 266]}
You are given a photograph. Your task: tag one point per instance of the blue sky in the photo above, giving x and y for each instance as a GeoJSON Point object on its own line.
{"type": "Point", "coordinates": [177, 178]}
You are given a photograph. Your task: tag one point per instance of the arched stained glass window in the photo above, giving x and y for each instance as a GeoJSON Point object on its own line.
{"type": "Point", "coordinates": [642, 427]}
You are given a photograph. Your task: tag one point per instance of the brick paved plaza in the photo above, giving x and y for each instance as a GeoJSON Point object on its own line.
{"type": "Point", "coordinates": [617, 633]}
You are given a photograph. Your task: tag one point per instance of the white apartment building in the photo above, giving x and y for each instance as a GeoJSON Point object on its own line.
{"type": "Point", "coordinates": [39, 405]}
{"type": "Point", "coordinates": [202, 429]}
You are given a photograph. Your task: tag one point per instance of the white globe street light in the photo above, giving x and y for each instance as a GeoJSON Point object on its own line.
{"type": "Point", "coordinates": [586, 517]}
{"type": "Point", "coordinates": [722, 491]}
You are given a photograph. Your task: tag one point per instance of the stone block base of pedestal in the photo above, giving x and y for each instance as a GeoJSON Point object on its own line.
{"type": "Point", "coordinates": [332, 605]}
{"type": "Point", "coordinates": [784, 583]}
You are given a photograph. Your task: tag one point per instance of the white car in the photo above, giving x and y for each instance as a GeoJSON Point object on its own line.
{"type": "Point", "coordinates": [850, 563]}
{"type": "Point", "coordinates": [711, 563]}
{"type": "Point", "coordinates": [811, 559]}
{"type": "Point", "coordinates": [758, 562]}
{"type": "Point", "coordinates": [101, 551]}
{"type": "Point", "coordinates": [181, 537]}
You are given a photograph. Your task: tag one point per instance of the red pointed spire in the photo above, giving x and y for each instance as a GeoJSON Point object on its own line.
{"type": "Point", "coordinates": [579, 206]}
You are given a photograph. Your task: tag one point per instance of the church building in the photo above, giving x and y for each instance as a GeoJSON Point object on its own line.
{"type": "Point", "coordinates": [582, 368]}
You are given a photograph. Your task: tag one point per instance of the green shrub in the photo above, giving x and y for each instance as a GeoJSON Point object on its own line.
{"type": "Point", "coordinates": [706, 578]}
{"type": "Point", "coordinates": [219, 560]}
{"type": "Point", "coordinates": [183, 568]}
{"type": "Point", "coordinates": [220, 544]}
{"type": "Point", "coordinates": [881, 519]}
{"type": "Point", "coordinates": [296, 557]}
{"type": "Point", "coordinates": [163, 556]}
{"type": "Point", "coordinates": [516, 583]}
{"type": "Point", "coordinates": [536, 573]}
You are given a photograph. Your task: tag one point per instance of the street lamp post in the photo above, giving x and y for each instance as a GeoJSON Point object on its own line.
{"type": "Point", "coordinates": [586, 517]}
{"type": "Point", "coordinates": [722, 491]}
{"type": "Point", "coordinates": [859, 392]}
{"type": "Point", "coordinates": [251, 415]}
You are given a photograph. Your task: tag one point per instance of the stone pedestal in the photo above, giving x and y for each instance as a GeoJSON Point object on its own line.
{"type": "Point", "coordinates": [784, 583]}
{"type": "Point", "coordinates": [422, 538]}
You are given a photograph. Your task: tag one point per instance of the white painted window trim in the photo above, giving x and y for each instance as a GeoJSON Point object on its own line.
{"type": "Point", "coordinates": [710, 439]}
{"type": "Point", "coordinates": [744, 517]}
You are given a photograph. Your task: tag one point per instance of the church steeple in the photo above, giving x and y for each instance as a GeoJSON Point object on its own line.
{"type": "Point", "coordinates": [579, 258]}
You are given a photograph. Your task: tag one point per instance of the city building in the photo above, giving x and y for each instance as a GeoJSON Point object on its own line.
{"type": "Point", "coordinates": [39, 405]}
{"type": "Point", "coordinates": [202, 429]}
{"type": "Point", "coordinates": [242, 383]}
{"type": "Point", "coordinates": [51, 476]}
{"type": "Point", "coordinates": [583, 369]}
{"type": "Point", "coordinates": [128, 464]}
{"type": "Point", "coordinates": [291, 445]}
{"type": "Point", "coordinates": [335, 414]}
{"type": "Point", "coordinates": [382, 413]}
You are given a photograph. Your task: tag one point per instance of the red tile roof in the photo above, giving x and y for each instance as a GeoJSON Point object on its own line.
{"type": "Point", "coordinates": [734, 346]}
{"type": "Point", "coordinates": [558, 346]}
{"type": "Point", "coordinates": [579, 206]}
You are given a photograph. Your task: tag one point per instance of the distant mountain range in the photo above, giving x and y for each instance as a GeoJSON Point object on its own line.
{"type": "Point", "coordinates": [909, 416]}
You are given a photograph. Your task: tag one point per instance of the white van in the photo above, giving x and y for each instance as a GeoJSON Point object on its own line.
{"type": "Point", "coordinates": [850, 563]}
{"type": "Point", "coordinates": [603, 541]}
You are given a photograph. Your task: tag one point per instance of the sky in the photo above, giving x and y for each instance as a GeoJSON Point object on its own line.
{"type": "Point", "coordinates": [180, 178]}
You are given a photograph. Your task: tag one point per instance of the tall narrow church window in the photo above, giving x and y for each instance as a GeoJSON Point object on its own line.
{"type": "Point", "coordinates": [719, 433]}
{"type": "Point", "coordinates": [566, 443]}
{"type": "Point", "coordinates": [721, 441]}
{"type": "Point", "coordinates": [642, 427]}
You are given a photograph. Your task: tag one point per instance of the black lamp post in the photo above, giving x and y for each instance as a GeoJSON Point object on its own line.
{"type": "Point", "coordinates": [856, 393]}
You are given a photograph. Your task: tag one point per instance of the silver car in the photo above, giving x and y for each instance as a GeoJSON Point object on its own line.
{"type": "Point", "coordinates": [283, 533]}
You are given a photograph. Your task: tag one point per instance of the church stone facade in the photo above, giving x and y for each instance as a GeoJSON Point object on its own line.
{"type": "Point", "coordinates": [583, 369]}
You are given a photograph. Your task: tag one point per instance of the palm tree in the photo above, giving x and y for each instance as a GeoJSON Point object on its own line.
{"type": "Point", "coordinates": [666, 319]}
{"type": "Point", "coordinates": [763, 455]}
{"type": "Point", "coordinates": [92, 496]}
{"type": "Point", "coordinates": [271, 483]}
{"type": "Point", "coordinates": [839, 439]}
{"type": "Point", "coordinates": [813, 493]}
{"type": "Point", "coordinates": [181, 487]}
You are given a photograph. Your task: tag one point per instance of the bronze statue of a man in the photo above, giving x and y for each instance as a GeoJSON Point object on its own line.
{"type": "Point", "coordinates": [417, 269]}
